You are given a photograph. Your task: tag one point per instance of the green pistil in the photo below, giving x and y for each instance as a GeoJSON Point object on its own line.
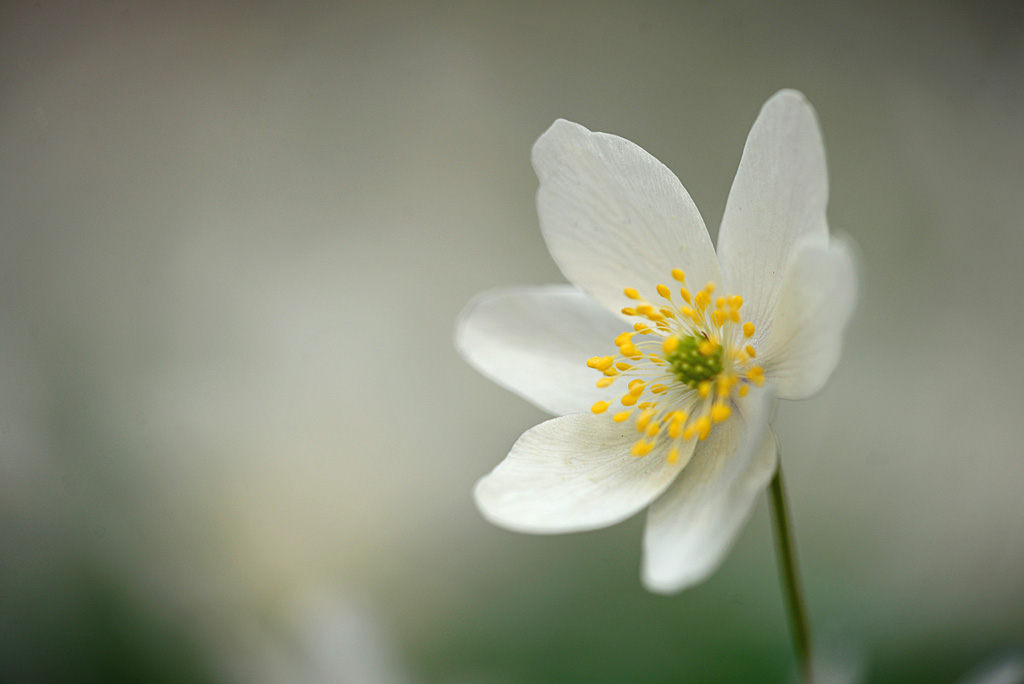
{"type": "Point", "coordinates": [690, 365]}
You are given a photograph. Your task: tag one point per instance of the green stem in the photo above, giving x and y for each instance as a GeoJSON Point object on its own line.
{"type": "Point", "coordinates": [786, 549]}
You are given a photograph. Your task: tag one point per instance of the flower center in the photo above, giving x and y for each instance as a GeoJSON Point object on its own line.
{"type": "Point", "coordinates": [695, 360]}
{"type": "Point", "coordinates": [685, 362]}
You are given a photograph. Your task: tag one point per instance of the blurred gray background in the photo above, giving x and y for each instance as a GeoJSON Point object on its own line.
{"type": "Point", "coordinates": [236, 444]}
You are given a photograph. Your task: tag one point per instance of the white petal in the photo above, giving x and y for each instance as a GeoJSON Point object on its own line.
{"type": "Point", "coordinates": [777, 200]}
{"type": "Point", "coordinates": [691, 528]}
{"type": "Point", "coordinates": [535, 341]}
{"type": "Point", "coordinates": [574, 473]}
{"type": "Point", "coordinates": [614, 216]}
{"type": "Point", "coordinates": [816, 301]}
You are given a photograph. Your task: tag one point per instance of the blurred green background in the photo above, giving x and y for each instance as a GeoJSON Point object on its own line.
{"type": "Point", "coordinates": [238, 446]}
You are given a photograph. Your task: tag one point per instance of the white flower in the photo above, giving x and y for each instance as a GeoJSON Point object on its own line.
{"type": "Point", "coordinates": [705, 342]}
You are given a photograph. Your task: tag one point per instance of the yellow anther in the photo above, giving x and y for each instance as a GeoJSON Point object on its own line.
{"type": "Point", "coordinates": [600, 362]}
{"type": "Point", "coordinates": [628, 399]}
{"type": "Point", "coordinates": [643, 420]}
{"type": "Point", "coordinates": [667, 313]}
{"type": "Point", "coordinates": [702, 299]}
{"type": "Point", "coordinates": [644, 405]}
{"type": "Point", "coordinates": [756, 375]}
{"type": "Point", "coordinates": [670, 344]}
{"type": "Point", "coordinates": [751, 352]}
{"type": "Point", "coordinates": [628, 349]}
{"type": "Point", "coordinates": [710, 286]}
{"type": "Point", "coordinates": [685, 294]}
{"type": "Point", "coordinates": [673, 455]}
{"type": "Point", "coordinates": [659, 389]}
{"type": "Point", "coordinates": [652, 429]}
{"type": "Point", "coordinates": [629, 311]}
{"type": "Point", "coordinates": [599, 407]}
{"type": "Point", "coordinates": [646, 310]}
{"type": "Point", "coordinates": [621, 416]}
{"type": "Point", "coordinates": [677, 424]}
{"type": "Point", "coordinates": [690, 431]}
{"type": "Point", "coordinates": [611, 372]}
{"type": "Point", "coordinates": [703, 427]}
{"type": "Point", "coordinates": [718, 317]}
{"type": "Point", "coordinates": [743, 390]}
{"type": "Point", "coordinates": [720, 303]}
{"type": "Point", "coordinates": [720, 413]}
{"type": "Point", "coordinates": [707, 348]}
{"type": "Point", "coordinates": [640, 328]}
{"type": "Point", "coordinates": [748, 329]}
{"type": "Point", "coordinates": [689, 313]}
{"type": "Point", "coordinates": [704, 389]}
{"type": "Point", "coordinates": [623, 338]}
{"type": "Point", "coordinates": [734, 316]}
{"type": "Point", "coordinates": [736, 301]}
{"type": "Point", "coordinates": [664, 291]}
{"type": "Point", "coordinates": [605, 382]}
{"type": "Point", "coordinates": [642, 448]}
{"type": "Point", "coordinates": [631, 293]}
{"type": "Point", "coordinates": [623, 366]}
{"type": "Point", "coordinates": [636, 383]}
{"type": "Point", "coordinates": [678, 274]}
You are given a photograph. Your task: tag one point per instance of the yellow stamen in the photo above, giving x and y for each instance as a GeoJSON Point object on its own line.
{"type": "Point", "coordinates": [673, 455]}
{"type": "Point", "coordinates": [623, 366]}
{"type": "Point", "coordinates": [631, 293]}
{"type": "Point", "coordinates": [743, 390]}
{"type": "Point", "coordinates": [720, 413]}
{"type": "Point", "coordinates": [629, 311]}
{"type": "Point", "coordinates": [704, 389]}
{"type": "Point", "coordinates": [751, 352]}
{"type": "Point", "coordinates": [719, 318]}
{"type": "Point", "coordinates": [736, 301]}
{"type": "Point", "coordinates": [748, 329]}
{"type": "Point", "coordinates": [642, 448]}
{"type": "Point", "coordinates": [605, 382]}
{"type": "Point", "coordinates": [621, 416]}
{"type": "Point", "coordinates": [704, 426]}
{"type": "Point", "coordinates": [599, 407]}
{"type": "Point", "coordinates": [677, 424]}
{"type": "Point", "coordinates": [600, 363]}
{"type": "Point", "coordinates": [670, 344]}
{"type": "Point", "coordinates": [664, 292]}
{"type": "Point", "coordinates": [685, 294]}
{"type": "Point", "coordinates": [628, 399]}
{"type": "Point", "coordinates": [678, 274]}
